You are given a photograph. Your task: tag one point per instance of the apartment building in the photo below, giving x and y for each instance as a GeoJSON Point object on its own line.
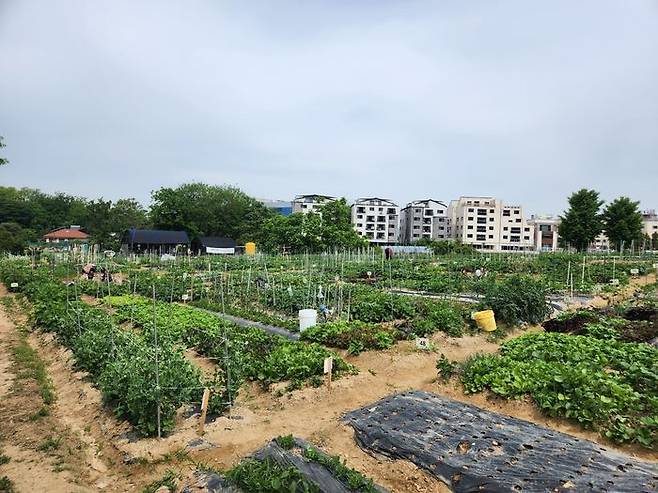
{"type": "Point", "coordinates": [377, 220]}
{"type": "Point", "coordinates": [545, 232]}
{"type": "Point", "coordinates": [310, 203]}
{"type": "Point", "coordinates": [423, 219]}
{"type": "Point", "coordinates": [650, 223]}
{"type": "Point", "coordinates": [489, 225]}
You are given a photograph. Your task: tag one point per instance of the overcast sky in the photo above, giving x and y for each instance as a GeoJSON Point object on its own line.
{"type": "Point", "coordinates": [522, 100]}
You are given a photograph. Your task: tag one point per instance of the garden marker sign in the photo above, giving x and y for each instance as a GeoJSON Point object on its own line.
{"type": "Point", "coordinates": [422, 343]}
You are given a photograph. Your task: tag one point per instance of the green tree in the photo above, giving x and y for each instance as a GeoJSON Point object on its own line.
{"type": "Point", "coordinates": [654, 241]}
{"type": "Point", "coordinates": [581, 224]}
{"type": "Point", "coordinates": [336, 230]}
{"type": "Point", "coordinates": [206, 210]}
{"type": "Point", "coordinates": [622, 222]}
{"type": "Point", "coordinates": [14, 238]}
{"type": "Point", "coordinates": [330, 228]}
{"type": "Point", "coordinates": [3, 161]}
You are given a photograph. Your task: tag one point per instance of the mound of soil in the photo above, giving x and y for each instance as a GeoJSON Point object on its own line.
{"type": "Point", "coordinates": [638, 331]}
{"type": "Point", "coordinates": [572, 325]}
{"type": "Point", "coordinates": [642, 313]}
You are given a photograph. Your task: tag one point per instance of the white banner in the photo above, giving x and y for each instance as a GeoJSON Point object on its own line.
{"type": "Point", "coordinates": [221, 251]}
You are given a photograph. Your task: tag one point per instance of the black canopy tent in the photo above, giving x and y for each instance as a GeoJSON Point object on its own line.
{"type": "Point", "coordinates": [217, 245]}
{"type": "Point", "coordinates": [156, 241]}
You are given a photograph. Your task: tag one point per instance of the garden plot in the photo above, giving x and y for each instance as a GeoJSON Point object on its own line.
{"type": "Point", "coordinates": [288, 464]}
{"type": "Point", "coordinates": [471, 449]}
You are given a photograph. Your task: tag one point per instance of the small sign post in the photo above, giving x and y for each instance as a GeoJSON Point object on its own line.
{"type": "Point", "coordinates": [14, 285]}
{"type": "Point", "coordinates": [422, 343]}
{"type": "Point", "coordinates": [328, 367]}
{"type": "Point", "coordinates": [204, 410]}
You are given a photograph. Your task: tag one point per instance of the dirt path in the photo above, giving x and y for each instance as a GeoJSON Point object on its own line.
{"type": "Point", "coordinates": [67, 446]}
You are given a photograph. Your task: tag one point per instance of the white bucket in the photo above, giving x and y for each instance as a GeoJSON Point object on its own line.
{"type": "Point", "coordinates": [307, 318]}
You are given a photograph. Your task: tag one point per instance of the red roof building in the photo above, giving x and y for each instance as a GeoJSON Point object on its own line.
{"type": "Point", "coordinates": [74, 233]}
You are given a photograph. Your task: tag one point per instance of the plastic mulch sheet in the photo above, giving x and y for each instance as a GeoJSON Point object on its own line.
{"type": "Point", "coordinates": [312, 471]}
{"type": "Point", "coordinates": [473, 450]}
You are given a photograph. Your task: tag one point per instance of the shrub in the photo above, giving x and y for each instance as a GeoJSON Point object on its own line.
{"type": "Point", "coordinates": [518, 299]}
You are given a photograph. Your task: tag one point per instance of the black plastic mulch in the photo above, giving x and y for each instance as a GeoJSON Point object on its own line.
{"type": "Point", "coordinates": [473, 450]}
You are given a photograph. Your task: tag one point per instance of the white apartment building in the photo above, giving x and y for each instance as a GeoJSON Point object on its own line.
{"type": "Point", "coordinates": [649, 223]}
{"type": "Point", "coordinates": [423, 219]}
{"type": "Point", "coordinates": [545, 232]}
{"type": "Point", "coordinates": [489, 225]}
{"type": "Point", "coordinates": [377, 220]}
{"type": "Point", "coordinates": [310, 203]}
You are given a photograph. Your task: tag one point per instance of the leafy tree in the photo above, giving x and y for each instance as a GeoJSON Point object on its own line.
{"type": "Point", "coordinates": [202, 209]}
{"type": "Point", "coordinates": [581, 224]}
{"type": "Point", "coordinates": [127, 214]}
{"type": "Point", "coordinates": [3, 161]}
{"type": "Point", "coordinates": [14, 238]}
{"type": "Point", "coordinates": [336, 230]}
{"type": "Point", "coordinates": [622, 222]}
{"type": "Point", "coordinates": [330, 228]}
{"type": "Point", "coordinates": [654, 241]}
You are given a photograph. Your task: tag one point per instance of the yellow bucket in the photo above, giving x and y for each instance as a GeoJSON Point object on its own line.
{"type": "Point", "coordinates": [485, 320]}
{"type": "Point", "coordinates": [250, 248]}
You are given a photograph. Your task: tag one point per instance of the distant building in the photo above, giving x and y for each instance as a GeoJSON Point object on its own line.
{"type": "Point", "coordinates": [70, 234]}
{"type": "Point", "coordinates": [649, 223]}
{"type": "Point", "coordinates": [545, 232]}
{"type": "Point", "coordinates": [601, 243]}
{"type": "Point", "coordinates": [423, 219]}
{"type": "Point", "coordinates": [156, 241]}
{"type": "Point", "coordinates": [377, 220]}
{"type": "Point", "coordinates": [310, 203]}
{"type": "Point", "coordinates": [489, 225]}
{"type": "Point", "coordinates": [281, 206]}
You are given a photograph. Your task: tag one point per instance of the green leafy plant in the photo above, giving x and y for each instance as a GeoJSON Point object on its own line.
{"type": "Point", "coordinates": [445, 367]}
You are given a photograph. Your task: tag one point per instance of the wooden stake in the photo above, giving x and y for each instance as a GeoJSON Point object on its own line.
{"type": "Point", "coordinates": [204, 410]}
{"type": "Point", "coordinates": [328, 367]}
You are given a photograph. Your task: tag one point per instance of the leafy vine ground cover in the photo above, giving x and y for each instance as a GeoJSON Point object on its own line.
{"type": "Point", "coordinates": [603, 384]}
{"type": "Point", "coordinates": [246, 352]}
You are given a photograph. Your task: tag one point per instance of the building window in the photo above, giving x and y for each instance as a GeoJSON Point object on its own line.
{"type": "Point", "coordinates": [481, 237]}
{"type": "Point", "coordinates": [481, 229]}
{"type": "Point", "coordinates": [504, 237]}
{"type": "Point", "coordinates": [526, 229]}
{"type": "Point", "coordinates": [469, 236]}
{"type": "Point", "coordinates": [469, 227]}
{"type": "Point", "coordinates": [506, 213]}
{"type": "Point", "coordinates": [492, 211]}
{"type": "Point", "coordinates": [526, 237]}
{"type": "Point", "coordinates": [471, 210]}
{"type": "Point", "coordinates": [492, 219]}
{"type": "Point", "coordinates": [359, 216]}
{"type": "Point", "coordinates": [359, 225]}
{"type": "Point", "coordinates": [505, 228]}
{"type": "Point", "coordinates": [518, 220]}
{"type": "Point", "coordinates": [470, 218]}
{"type": "Point", "coordinates": [491, 228]}
{"type": "Point", "coordinates": [517, 212]}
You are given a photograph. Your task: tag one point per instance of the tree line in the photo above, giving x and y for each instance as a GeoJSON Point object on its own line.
{"type": "Point", "coordinates": [199, 209]}
{"type": "Point", "coordinates": [620, 220]}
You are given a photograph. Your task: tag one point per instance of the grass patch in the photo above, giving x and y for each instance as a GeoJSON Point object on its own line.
{"type": "Point", "coordinates": [4, 459]}
{"type": "Point", "coordinates": [6, 485]}
{"type": "Point", "coordinates": [41, 413]}
{"type": "Point", "coordinates": [168, 481]}
{"type": "Point", "coordinates": [33, 367]}
{"type": "Point", "coordinates": [50, 444]}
